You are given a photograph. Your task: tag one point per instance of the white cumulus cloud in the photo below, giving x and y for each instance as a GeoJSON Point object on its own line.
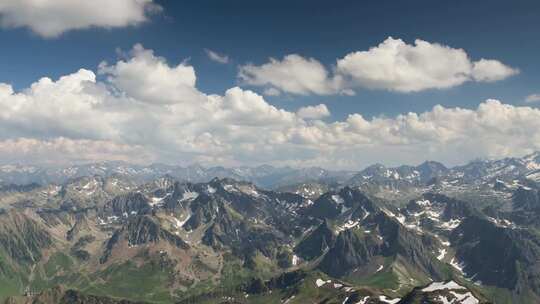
{"type": "Point", "coordinates": [392, 65]}
{"type": "Point", "coordinates": [51, 18]}
{"type": "Point", "coordinates": [313, 112]}
{"type": "Point", "coordinates": [149, 78]}
{"type": "Point", "coordinates": [397, 66]}
{"type": "Point", "coordinates": [491, 70]}
{"type": "Point", "coordinates": [147, 109]}
{"type": "Point", "coordinates": [294, 74]}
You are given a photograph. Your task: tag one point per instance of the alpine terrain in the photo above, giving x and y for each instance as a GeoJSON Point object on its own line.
{"type": "Point", "coordinates": [116, 233]}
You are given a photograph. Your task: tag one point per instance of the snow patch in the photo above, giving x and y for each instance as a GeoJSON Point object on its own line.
{"type": "Point", "coordinates": [348, 225]}
{"type": "Point", "coordinates": [366, 213]}
{"type": "Point", "coordinates": [400, 217]}
{"type": "Point", "coordinates": [457, 265]}
{"type": "Point", "coordinates": [154, 201]}
{"type": "Point", "coordinates": [442, 285]}
{"type": "Point", "coordinates": [179, 223]}
{"type": "Point", "coordinates": [338, 199]}
{"type": "Point", "coordinates": [289, 299]}
{"type": "Point", "coordinates": [450, 225]}
{"type": "Point", "coordinates": [387, 300]}
{"type": "Point", "coordinates": [466, 298]}
{"type": "Point", "coordinates": [252, 192]}
{"type": "Point", "coordinates": [423, 203]}
{"type": "Point", "coordinates": [442, 253]}
{"type": "Point", "coordinates": [503, 223]}
{"type": "Point", "coordinates": [363, 300]}
{"type": "Point", "coordinates": [189, 195]}
{"type": "Point", "coordinates": [295, 260]}
{"type": "Point", "coordinates": [229, 188]}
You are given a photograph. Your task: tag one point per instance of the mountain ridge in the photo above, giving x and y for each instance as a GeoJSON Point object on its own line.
{"type": "Point", "coordinates": [272, 177]}
{"type": "Point", "coordinates": [232, 240]}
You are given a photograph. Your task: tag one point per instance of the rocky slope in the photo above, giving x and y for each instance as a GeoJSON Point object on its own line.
{"type": "Point", "coordinates": [265, 176]}
{"type": "Point", "coordinates": [109, 237]}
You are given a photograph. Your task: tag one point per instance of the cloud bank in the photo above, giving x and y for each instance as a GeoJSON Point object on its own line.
{"type": "Point", "coordinates": [393, 65]}
{"type": "Point", "coordinates": [51, 18]}
{"type": "Point", "coordinates": [143, 109]}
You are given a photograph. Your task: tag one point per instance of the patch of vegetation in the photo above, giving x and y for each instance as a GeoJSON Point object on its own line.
{"type": "Point", "coordinates": [57, 263]}
{"type": "Point", "coordinates": [383, 280]}
{"type": "Point", "coordinates": [10, 286]}
{"type": "Point", "coordinates": [147, 283]}
{"type": "Point", "coordinates": [12, 282]}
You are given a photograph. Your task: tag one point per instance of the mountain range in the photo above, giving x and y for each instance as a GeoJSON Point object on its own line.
{"type": "Point", "coordinates": [510, 170]}
{"type": "Point", "coordinates": [118, 233]}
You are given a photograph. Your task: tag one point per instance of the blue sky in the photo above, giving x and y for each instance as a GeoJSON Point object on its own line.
{"type": "Point", "coordinates": [253, 32]}
{"type": "Point", "coordinates": [249, 32]}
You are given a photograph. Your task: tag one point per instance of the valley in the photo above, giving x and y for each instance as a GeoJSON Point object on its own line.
{"type": "Point", "coordinates": [467, 234]}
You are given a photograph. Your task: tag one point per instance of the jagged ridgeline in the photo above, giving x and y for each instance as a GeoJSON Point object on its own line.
{"type": "Point", "coordinates": [424, 234]}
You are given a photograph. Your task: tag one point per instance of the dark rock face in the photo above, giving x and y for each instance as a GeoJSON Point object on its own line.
{"type": "Point", "coordinates": [430, 170]}
{"type": "Point", "coordinates": [499, 256]}
{"type": "Point", "coordinates": [354, 249]}
{"type": "Point", "coordinates": [414, 248]}
{"type": "Point", "coordinates": [18, 187]}
{"type": "Point", "coordinates": [140, 230]}
{"type": "Point", "coordinates": [143, 229]}
{"type": "Point", "coordinates": [243, 240]}
{"type": "Point", "coordinates": [349, 252]}
{"type": "Point", "coordinates": [172, 193]}
{"type": "Point", "coordinates": [245, 219]}
{"type": "Point", "coordinates": [453, 208]}
{"type": "Point", "coordinates": [133, 202]}
{"type": "Point", "coordinates": [283, 281]}
{"type": "Point", "coordinates": [526, 200]}
{"type": "Point", "coordinates": [22, 238]}
{"type": "Point", "coordinates": [225, 231]}
{"type": "Point", "coordinates": [524, 211]}
{"type": "Point", "coordinates": [317, 242]}
{"type": "Point", "coordinates": [204, 208]}
{"type": "Point", "coordinates": [78, 249]}
{"type": "Point", "coordinates": [325, 207]}
{"type": "Point", "coordinates": [331, 204]}
{"type": "Point", "coordinates": [81, 223]}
